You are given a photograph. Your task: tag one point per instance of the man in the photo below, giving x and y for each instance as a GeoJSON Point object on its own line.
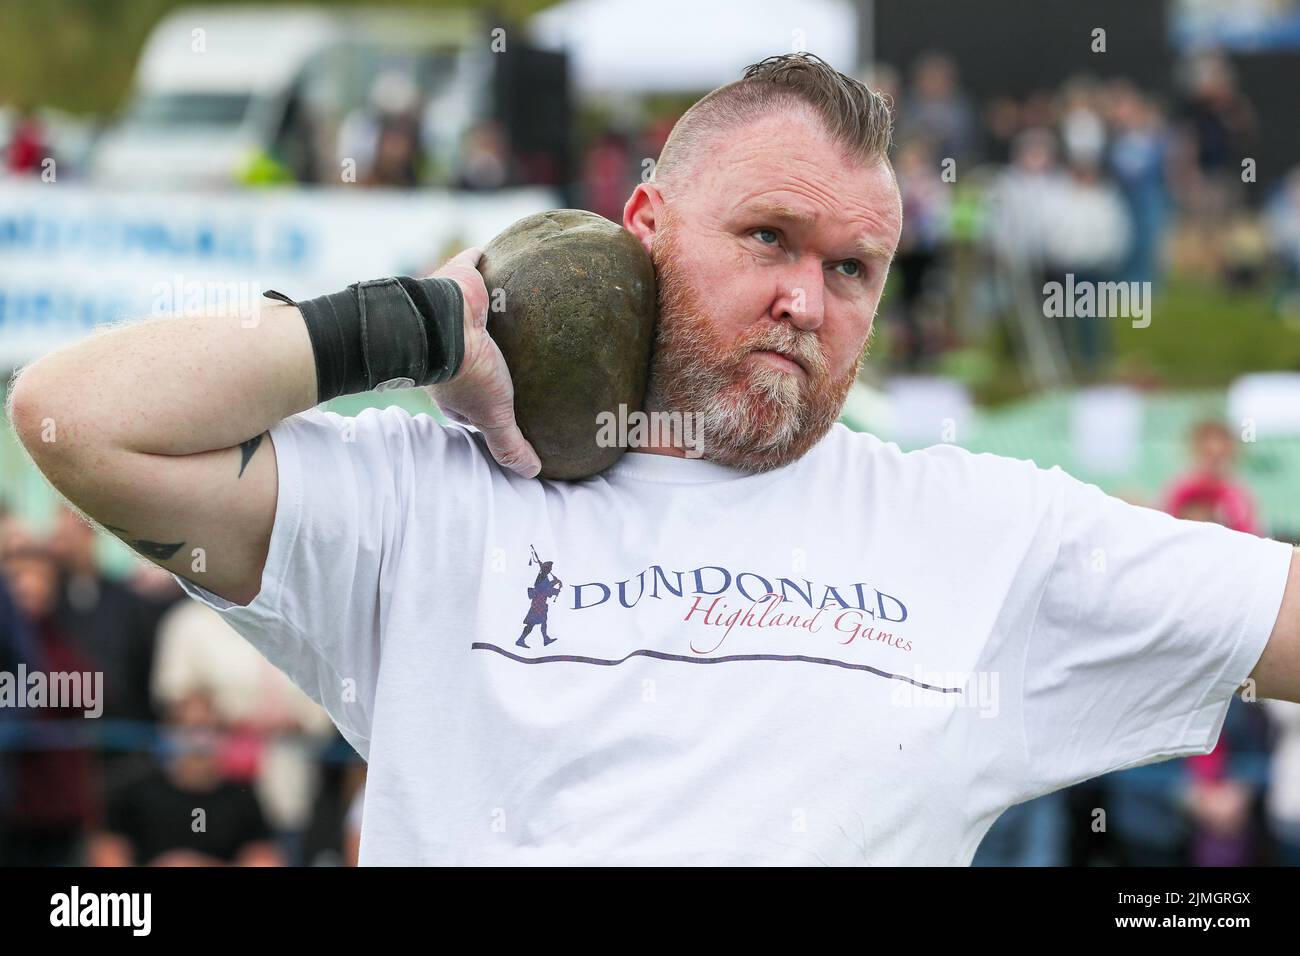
{"type": "Point", "coordinates": [52, 794]}
{"type": "Point", "coordinates": [544, 588]}
{"type": "Point", "coordinates": [109, 621]}
{"type": "Point", "coordinates": [805, 647]}
{"type": "Point", "coordinates": [151, 821]}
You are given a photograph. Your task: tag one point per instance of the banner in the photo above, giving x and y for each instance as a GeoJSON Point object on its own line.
{"type": "Point", "coordinates": [74, 256]}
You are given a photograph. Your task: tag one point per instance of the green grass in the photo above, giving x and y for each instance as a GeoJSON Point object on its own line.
{"type": "Point", "coordinates": [1204, 336]}
{"type": "Point", "coordinates": [1201, 336]}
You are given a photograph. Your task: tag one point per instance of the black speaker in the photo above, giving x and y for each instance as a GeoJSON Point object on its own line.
{"type": "Point", "coordinates": [531, 93]}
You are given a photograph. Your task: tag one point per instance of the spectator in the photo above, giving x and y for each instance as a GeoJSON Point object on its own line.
{"type": "Point", "coordinates": [28, 148]}
{"type": "Point", "coordinates": [1146, 814]}
{"type": "Point", "coordinates": [1087, 236]}
{"type": "Point", "coordinates": [1083, 131]}
{"type": "Point", "coordinates": [185, 812]}
{"type": "Point", "coordinates": [397, 152]}
{"type": "Point", "coordinates": [111, 624]}
{"type": "Point", "coordinates": [1225, 786]}
{"type": "Point", "coordinates": [921, 247]}
{"type": "Point", "coordinates": [607, 175]}
{"type": "Point", "coordinates": [1217, 124]}
{"type": "Point", "coordinates": [1138, 159]}
{"type": "Point", "coordinates": [1002, 124]}
{"type": "Point", "coordinates": [15, 646]}
{"type": "Point", "coordinates": [1283, 223]}
{"type": "Point", "coordinates": [485, 161]}
{"type": "Point", "coordinates": [938, 111]}
{"type": "Point", "coordinates": [1197, 811]}
{"type": "Point", "coordinates": [52, 797]}
{"type": "Point", "coordinates": [1028, 834]}
{"type": "Point", "coordinates": [381, 141]}
{"type": "Point", "coordinates": [326, 840]}
{"type": "Point", "coordinates": [263, 712]}
{"type": "Point", "coordinates": [1208, 491]}
{"type": "Point", "coordinates": [884, 79]}
{"type": "Point", "coordinates": [1021, 199]}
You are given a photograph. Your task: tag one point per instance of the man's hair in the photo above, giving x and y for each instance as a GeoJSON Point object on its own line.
{"type": "Point", "coordinates": [855, 117]}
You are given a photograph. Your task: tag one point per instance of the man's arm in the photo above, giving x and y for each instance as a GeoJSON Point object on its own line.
{"type": "Point", "coordinates": [157, 430]}
{"type": "Point", "coordinates": [1277, 675]}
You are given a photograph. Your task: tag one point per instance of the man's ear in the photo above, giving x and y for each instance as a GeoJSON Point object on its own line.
{"type": "Point", "coordinates": [642, 211]}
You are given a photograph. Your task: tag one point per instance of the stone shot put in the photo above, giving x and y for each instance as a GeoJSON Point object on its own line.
{"type": "Point", "coordinates": [802, 646]}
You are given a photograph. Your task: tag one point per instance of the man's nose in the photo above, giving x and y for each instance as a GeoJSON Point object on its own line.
{"type": "Point", "coordinates": [801, 297]}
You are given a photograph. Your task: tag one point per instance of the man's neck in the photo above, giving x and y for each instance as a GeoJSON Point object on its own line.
{"type": "Point", "coordinates": [671, 451]}
{"type": "Point", "coordinates": [667, 434]}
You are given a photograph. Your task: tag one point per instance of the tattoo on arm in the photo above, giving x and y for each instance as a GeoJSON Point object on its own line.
{"type": "Point", "coordinates": [162, 550]}
{"type": "Point", "coordinates": [246, 450]}
{"type": "Point", "coordinates": [153, 550]}
{"type": "Point", "coordinates": [156, 550]}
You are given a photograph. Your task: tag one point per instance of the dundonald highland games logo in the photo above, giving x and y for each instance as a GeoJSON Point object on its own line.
{"type": "Point", "coordinates": [545, 587]}
{"type": "Point", "coordinates": [845, 625]}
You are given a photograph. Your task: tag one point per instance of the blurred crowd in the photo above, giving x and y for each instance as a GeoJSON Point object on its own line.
{"type": "Point", "coordinates": [1239, 805]}
{"type": "Point", "coordinates": [1101, 180]}
{"type": "Point", "coordinates": [196, 750]}
{"type": "Point", "coordinates": [1096, 179]}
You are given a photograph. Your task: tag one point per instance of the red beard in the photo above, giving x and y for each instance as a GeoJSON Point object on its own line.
{"type": "Point", "coordinates": [749, 415]}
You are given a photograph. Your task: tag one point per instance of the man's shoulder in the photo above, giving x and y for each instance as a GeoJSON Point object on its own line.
{"type": "Point", "coordinates": [844, 447]}
{"type": "Point", "coordinates": [943, 488]}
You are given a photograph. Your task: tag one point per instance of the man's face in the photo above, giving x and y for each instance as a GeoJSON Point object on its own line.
{"type": "Point", "coordinates": [770, 265]}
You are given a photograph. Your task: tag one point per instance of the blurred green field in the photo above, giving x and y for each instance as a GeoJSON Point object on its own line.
{"type": "Point", "coordinates": [1202, 335]}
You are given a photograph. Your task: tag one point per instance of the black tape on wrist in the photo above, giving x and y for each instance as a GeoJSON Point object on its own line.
{"type": "Point", "coordinates": [398, 330]}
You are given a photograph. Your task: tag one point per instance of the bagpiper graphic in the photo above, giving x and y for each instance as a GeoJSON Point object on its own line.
{"type": "Point", "coordinates": [544, 588]}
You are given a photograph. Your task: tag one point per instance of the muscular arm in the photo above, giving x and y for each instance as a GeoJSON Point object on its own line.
{"type": "Point", "coordinates": [157, 430]}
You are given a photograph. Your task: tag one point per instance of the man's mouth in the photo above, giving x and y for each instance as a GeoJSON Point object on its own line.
{"type": "Point", "coordinates": [782, 360]}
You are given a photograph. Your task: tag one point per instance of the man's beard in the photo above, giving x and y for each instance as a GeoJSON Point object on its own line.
{"type": "Point", "coordinates": [748, 414]}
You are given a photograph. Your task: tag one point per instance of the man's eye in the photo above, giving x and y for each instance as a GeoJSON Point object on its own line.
{"type": "Point", "coordinates": [765, 232]}
{"type": "Point", "coordinates": [855, 268]}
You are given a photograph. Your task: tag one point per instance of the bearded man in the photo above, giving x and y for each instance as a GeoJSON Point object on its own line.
{"type": "Point", "coordinates": [919, 640]}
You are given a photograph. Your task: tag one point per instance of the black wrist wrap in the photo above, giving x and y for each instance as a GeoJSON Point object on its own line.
{"type": "Point", "coordinates": [399, 330]}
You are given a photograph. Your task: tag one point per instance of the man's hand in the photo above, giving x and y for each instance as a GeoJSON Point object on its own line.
{"type": "Point", "coordinates": [481, 393]}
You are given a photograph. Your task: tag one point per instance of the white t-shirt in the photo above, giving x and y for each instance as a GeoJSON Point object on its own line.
{"type": "Point", "coordinates": [950, 634]}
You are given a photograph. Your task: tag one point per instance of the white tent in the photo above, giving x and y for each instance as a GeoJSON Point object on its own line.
{"type": "Point", "coordinates": [634, 46]}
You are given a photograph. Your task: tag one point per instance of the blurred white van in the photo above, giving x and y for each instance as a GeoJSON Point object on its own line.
{"type": "Point", "coordinates": [222, 91]}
